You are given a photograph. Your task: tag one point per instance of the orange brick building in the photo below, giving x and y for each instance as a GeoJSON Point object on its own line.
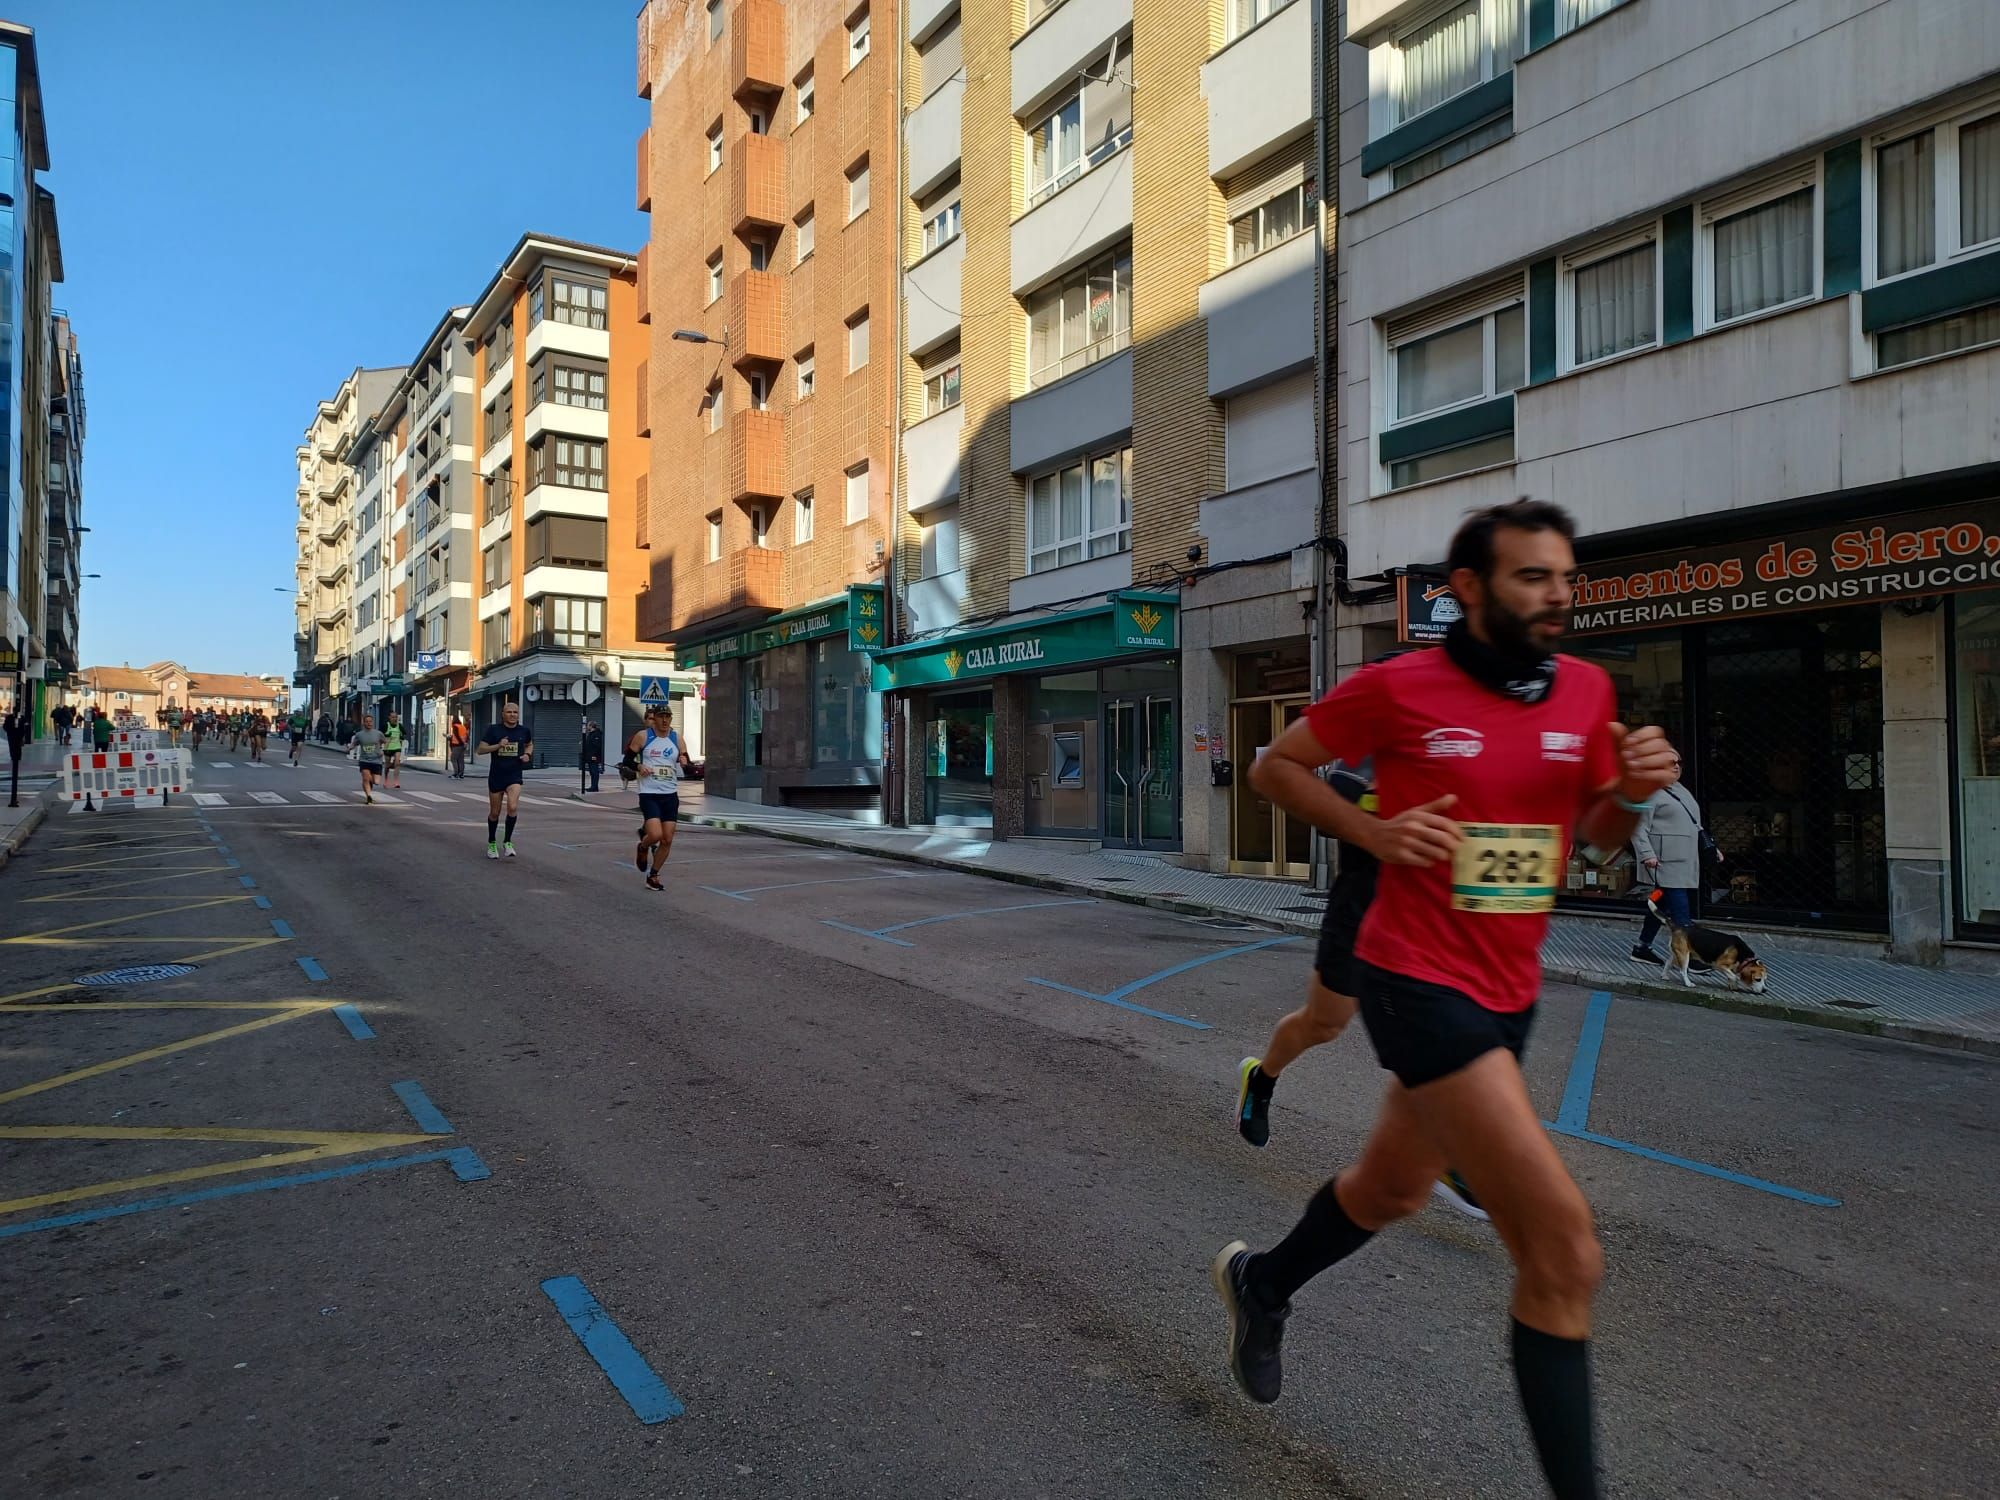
{"type": "Point", "coordinates": [770, 169]}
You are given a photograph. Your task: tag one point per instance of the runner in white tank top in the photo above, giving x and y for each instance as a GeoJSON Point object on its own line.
{"type": "Point", "coordinates": [655, 752]}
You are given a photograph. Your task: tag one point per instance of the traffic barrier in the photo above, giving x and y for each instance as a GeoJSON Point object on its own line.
{"type": "Point", "coordinates": [127, 776]}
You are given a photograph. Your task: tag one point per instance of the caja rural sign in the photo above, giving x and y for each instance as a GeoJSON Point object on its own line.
{"type": "Point", "coordinates": [1906, 556]}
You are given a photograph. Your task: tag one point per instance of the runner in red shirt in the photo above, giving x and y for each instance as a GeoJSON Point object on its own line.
{"type": "Point", "coordinates": [1490, 754]}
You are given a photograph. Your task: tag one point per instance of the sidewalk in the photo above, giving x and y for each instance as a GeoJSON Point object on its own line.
{"type": "Point", "coordinates": [1847, 990]}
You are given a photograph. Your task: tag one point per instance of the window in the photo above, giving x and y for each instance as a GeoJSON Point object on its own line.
{"type": "Point", "coordinates": [857, 493]}
{"type": "Point", "coordinates": [939, 212]}
{"type": "Point", "coordinates": [941, 387]}
{"type": "Point", "coordinates": [715, 277]}
{"type": "Point", "coordinates": [1085, 127]}
{"type": "Point", "coordinates": [1612, 302]}
{"type": "Point", "coordinates": [566, 542]}
{"type": "Point", "coordinates": [714, 21]}
{"type": "Point", "coordinates": [1759, 252]}
{"type": "Point", "coordinates": [1269, 223]}
{"type": "Point", "coordinates": [1975, 635]}
{"type": "Point", "coordinates": [857, 37]}
{"type": "Point", "coordinates": [500, 492]}
{"type": "Point", "coordinates": [711, 403]}
{"type": "Point", "coordinates": [1081, 511]}
{"type": "Point", "coordinates": [760, 526]}
{"type": "Point", "coordinates": [802, 90]}
{"type": "Point", "coordinates": [803, 361]}
{"type": "Point", "coordinates": [500, 417]}
{"type": "Point", "coordinates": [760, 390]}
{"type": "Point", "coordinates": [1448, 461]}
{"type": "Point", "coordinates": [857, 342]}
{"type": "Point", "coordinates": [1475, 360]}
{"type": "Point", "coordinates": [499, 630]}
{"type": "Point", "coordinates": [857, 190]}
{"type": "Point", "coordinates": [500, 346]}
{"type": "Point", "coordinates": [575, 463]}
{"type": "Point", "coordinates": [572, 385]}
{"type": "Point", "coordinates": [1937, 195]}
{"type": "Point", "coordinates": [1450, 53]}
{"type": "Point", "coordinates": [803, 238]}
{"type": "Point", "coordinates": [715, 536]}
{"type": "Point", "coordinates": [847, 711]}
{"type": "Point", "coordinates": [760, 254]}
{"type": "Point", "coordinates": [939, 551]}
{"type": "Point", "coordinates": [1571, 14]}
{"type": "Point", "coordinates": [942, 54]}
{"type": "Point", "coordinates": [582, 303]}
{"type": "Point", "coordinates": [760, 124]}
{"type": "Point", "coordinates": [802, 517]}
{"type": "Point", "coordinates": [1081, 319]}
{"type": "Point", "coordinates": [715, 147]}
{"type": "Point", "coordinates": [1968, 330]}
{"type": "Point", "coordinates": [497, 566]}
{"type": "Point", "coordinates": [1246, 15]}
{"type": "Point", "coordinates": [1457, 149]}
{"type": "Point", "coordinates": [575, 623]}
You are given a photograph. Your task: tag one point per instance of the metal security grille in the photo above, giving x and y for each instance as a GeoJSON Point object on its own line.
{"type": "Point", "coordinates": [1789, 735]}
{"type": "Point", "coordinates": [137, 974]}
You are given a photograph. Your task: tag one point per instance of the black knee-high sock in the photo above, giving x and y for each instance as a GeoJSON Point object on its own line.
{"type": "Point", "coordinates": [1324, 1236]}
{"type": "Point", "coordinates": [492, 830]}
{"type": "Point", "coordinates": [510, 828]}
{"type": "Point", "coordinates": [1554, 1378]}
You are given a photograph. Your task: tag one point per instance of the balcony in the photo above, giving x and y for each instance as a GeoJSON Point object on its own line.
{"type": "Point", "coordinates": [750, 579]}
{"type": "Point", "coordinates": [644, 283]}
{"type": "Point", "coordinates": [933, 291]}
{"type": "Point", "coordinates": [1053, 50]}
{"type": "Point", "coordinates": [1260, 316]}
{"type": "Point", "coordinates": [757, 48]}
{"type": "Point", "coordinates": [646, 170]}
{"type": "Point", "coordinates": [756, 317]}
{"type": "Point", "coordinates": [1090, 213]}
{"type": "Point", "coordinates": [925, 16]}
{"type": "Point", "coordinates": [1259, 91]}
{"type": "Point", "coordinates": [931, 135]}
{"type": "Point", "coordinates": [931, 459]}
{"type": "Point", "coordinates": [756, 455]}
{"type": "Point", "coordinates": [333, 524]}
{"type": "Point", "coordinates": [645, 50]}
{"type": "Point", "coordinates": [756, 184]}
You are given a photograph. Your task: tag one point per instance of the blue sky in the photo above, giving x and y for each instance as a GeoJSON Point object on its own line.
{"type": "Point", "coordinates": [255, 196]}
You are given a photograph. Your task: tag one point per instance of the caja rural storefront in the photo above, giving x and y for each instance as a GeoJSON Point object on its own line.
{"type": "Point", "coordinates": [1062, 726]}
{"type": "Point", "coordinates": [1835, 693]}
{"type": "Point", "coordinates": [793, 716]}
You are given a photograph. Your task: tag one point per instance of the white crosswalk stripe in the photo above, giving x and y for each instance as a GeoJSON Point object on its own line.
{"type": "Point", "coordinates": [270, 799]}
{"type": "Point", "coordinates": [323, 797]}
{"type": "Point", "coordinates": [222, 765]}
{"type": "Point", "coordinates": [210, 799]}
{"type": "Point", "coordinates": [385, 797]}
{"type": "Point", "coordinates": [425, 796]}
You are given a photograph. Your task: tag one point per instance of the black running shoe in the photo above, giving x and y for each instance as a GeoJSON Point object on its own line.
{"type": "Point", "coordinates": [1253, 1102]}
{"type": "Point", "coordinates": [1646, 955]}
{"type": "Point", "coordinates": [1255, 1331]}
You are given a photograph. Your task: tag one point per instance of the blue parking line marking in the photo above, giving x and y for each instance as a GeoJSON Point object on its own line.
{"type": "Point", "coordinates": [312, 968]}
{"type": "Point", "coordinates": [881, 934]}
{"type": "Point", "coordinates": [263, 903]}
{"type": "Point", "coordinates": [1123, 1004]}
{"type": "Point", "coordinates": [457, 1157]}
{"type": "Point", "coordinates": [220, 847]}
{"type": "Point", "coordinates": [1120, 996]}
{"type": "Point", "coordinates": [281, 928]}
{"type": "Point", "coordinates": [791, 885]}
{"type": "Point", "coordinates": [848, 927]}
{"type": "Point", "coordinates": [235, 864]}
{"type": "Point", "coordinates": [356, 1027]}
{"type": "Point", "coordinates": [1575, 1112]}
{"type": "Point", "coordinates": [249, 884]}
{"type": "Point", "coordinates": [429, 1118]}
{"type": "Point", "coordinates": [624, 1366]}
{"type": "Point", "coordinates": [1740, 1179]}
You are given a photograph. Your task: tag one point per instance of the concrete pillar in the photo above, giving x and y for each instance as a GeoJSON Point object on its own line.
{"type": "Point", "coordinates": [1010, 757]}
{"type": "Point", "coordinates": [723, 728]}
{"type": "Point", "coordinates": [1916, 781]}
{"type": "Point", "coordinates": [1205, 693]}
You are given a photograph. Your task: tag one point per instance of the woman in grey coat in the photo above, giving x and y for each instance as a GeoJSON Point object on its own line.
{"type": "Point", "coordinates": [1668, 846]}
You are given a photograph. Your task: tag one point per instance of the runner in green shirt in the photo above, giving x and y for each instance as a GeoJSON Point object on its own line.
{"type": "Point", "coordinates": [295, 730]}
{"type": "Point", "coordinates": [392, 743]}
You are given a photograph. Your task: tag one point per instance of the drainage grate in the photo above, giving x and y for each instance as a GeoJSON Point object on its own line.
{"type": "Point", "coordinates": [1853, 1004]}
{"type": "Point", "coordinates": [1114, 880]}
{"type": "Point", "coordinates": [138, 974]}
{"type": "Point", "coordinates": [1312, 911]}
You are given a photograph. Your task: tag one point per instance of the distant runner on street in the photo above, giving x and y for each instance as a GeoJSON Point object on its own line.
{"type": "Point", "coordinates": [512, 747]}
{"type": "Point", "coordinates": [392, 737]}
{"type": "Point", "coordinates": [295, 731]}
{"type": "Point", "coordinates": [366, 748]}
{"type": "Point", "coordinates": [1492, 757]}
{"type": "Point", "coordinates": [656, 752]}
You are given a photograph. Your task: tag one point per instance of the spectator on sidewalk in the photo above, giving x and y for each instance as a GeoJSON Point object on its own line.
{"type": "Point", "coordinates": [1668, 847]}
{"type": "Point", "coordinates": [590, 755]}
{"type": "Point", "coordinates": [457, 736]}
{"type": "Point", "coordinates": [100, 729]}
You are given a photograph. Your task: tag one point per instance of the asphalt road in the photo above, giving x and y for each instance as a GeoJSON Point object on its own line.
{"type": "Point", "coordinates": [882, 1213]}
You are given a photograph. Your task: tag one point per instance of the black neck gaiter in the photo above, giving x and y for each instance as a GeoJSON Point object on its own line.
{"type": "Point", "coordinates": [1524, 678]}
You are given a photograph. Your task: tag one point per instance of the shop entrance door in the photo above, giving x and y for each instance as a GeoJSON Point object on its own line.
{"type": "Point", "coordinates": [1142, 783]}
{"type": "Point", "coordinates": [1263, 839]}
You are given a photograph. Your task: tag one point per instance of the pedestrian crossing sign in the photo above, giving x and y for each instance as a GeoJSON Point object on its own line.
{"type": "Point", "coordinates": [652, 690]}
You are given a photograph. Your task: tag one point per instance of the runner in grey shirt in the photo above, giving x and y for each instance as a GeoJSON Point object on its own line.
{"type": "Point", "coordinates": [368, 748]}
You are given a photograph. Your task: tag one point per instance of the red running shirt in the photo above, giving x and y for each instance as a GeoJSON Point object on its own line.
{"type": "Point", "coordinates": [1433, 731]}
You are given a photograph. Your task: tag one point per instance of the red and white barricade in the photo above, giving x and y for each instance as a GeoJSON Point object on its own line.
{"type": "Point", "coordinates": [128, 776]}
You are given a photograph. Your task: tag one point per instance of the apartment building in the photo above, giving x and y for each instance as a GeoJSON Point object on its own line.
{"type": "Point", "coordinates": [147, 690]}
{"type": "Point", "coordinates": [37, 541]}
{"type": "Point", "coordinates": [1723, 278]}
{"type": "Point", "coordinates": [1110, 476]}
{"type": "Point", "coordinates": [327, 567]}
{"type": "Point", "coordinates": [65, 509]}
{"type": "Point", "coordinates": [770, 168]}
{"type": "Point", "coordinates": [560, 356]}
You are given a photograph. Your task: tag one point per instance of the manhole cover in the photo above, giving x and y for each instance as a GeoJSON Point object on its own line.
{"type": "Point", "coordinates": [1853, 1004]}
{"type": "Point", "coordinates": [137, 974]}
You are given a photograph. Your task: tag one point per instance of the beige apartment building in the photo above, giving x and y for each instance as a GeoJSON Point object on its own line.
{"type": "Point", "coordinates": [771, 171]}
{"type": "Point", "coordinates": [1110, 485]}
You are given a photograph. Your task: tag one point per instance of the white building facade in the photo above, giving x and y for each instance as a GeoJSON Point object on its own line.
{"type": "Point", "coordinates": [1722, 277]}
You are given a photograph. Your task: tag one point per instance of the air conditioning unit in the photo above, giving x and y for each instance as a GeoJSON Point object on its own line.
{"type": "Point", "coordinates": [605, 669]}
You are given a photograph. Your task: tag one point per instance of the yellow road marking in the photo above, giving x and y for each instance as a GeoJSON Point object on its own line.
{"type": "Point", "coordinates": [91, 893]}
{"type": "Point", "coordinates": [10, 1005]}
{"type": "Point", "coordinates": [213, 1169]}
{"type": "Point", "coordinates": [132, 859]}
{"type": "Point", "coordinates": [137, 916]}
{"type": "Point", "coordinates": [359, 1140]}
{"type": "Point", "coordinates": [133, 1059]}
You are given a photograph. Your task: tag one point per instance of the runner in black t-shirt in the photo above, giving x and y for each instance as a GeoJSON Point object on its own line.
{"type": "Point", "coordinates": [512, 747]}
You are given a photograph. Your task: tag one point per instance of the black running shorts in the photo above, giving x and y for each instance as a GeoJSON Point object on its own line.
{"type": "Point", "coordinates": [1346, 905]}
{"type": "Point", "coordinates": [1422, 1032]}
{"type": "Point", "coordinates": [664, 807]}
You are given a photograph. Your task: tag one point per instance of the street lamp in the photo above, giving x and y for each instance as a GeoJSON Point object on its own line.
{"type": "Point", "coordinates": [696, 336]}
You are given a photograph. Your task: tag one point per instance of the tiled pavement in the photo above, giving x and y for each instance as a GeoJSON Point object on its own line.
{"type": "Point", "coordinates": [1853, 990]}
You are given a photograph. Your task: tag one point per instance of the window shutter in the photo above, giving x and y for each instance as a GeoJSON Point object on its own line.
{"type": "Point", "coordinates": [1453, 310]}
{"type": "Point", "coordinates": [644, 515]}
{"type": "Point", "coordinates": [1279, 172]}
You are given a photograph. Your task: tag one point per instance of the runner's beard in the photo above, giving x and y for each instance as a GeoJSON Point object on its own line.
{"type": "Point", "coordinates": [1513, 635]}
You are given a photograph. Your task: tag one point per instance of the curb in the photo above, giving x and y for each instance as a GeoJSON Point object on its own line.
{"type": "Point", "coordinates": [18, 834]}
{"type": "Point", "coordinates": [1673, 994]}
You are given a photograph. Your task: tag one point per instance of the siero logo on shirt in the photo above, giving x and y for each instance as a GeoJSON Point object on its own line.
{"type": "Point", "coordinates": [1456, 744]}
{"type": "Point", "coordinates": [1563, 747]}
